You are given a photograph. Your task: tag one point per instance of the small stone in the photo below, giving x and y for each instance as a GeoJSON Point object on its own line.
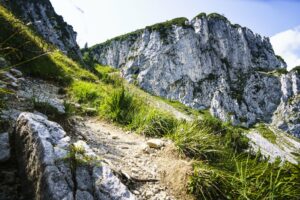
{"type": "Point", "coordinates": [155, 143]}
{"type": "Point", "coordinates": [115, 137]}
{"type": "Point", "coordinates": [124, 147]}
{"type": "Point", "coordinates": [136, 192]}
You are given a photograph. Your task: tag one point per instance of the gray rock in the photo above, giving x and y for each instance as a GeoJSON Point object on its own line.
{"type": "Point", "coordinates": [36, 138]}
{"type": "Point", "coordinates": [108, 186]}
{"type": "Point", "coordinates": [41, 92]}
{"type": "Point", "coordinates": [84, 179]}
{"type": "Point", "coordinates": [155, 143]}
{"type": "Point", "coordinates": [4, 147]}
{"type": "Point", "coordinates": [83, 195]}
{"type": "Point", "coordinates": [44, 152]}
{"type": "Point", "coordinates": [283, 149]}
{"type": "Point", "coordinates": [287, 114]}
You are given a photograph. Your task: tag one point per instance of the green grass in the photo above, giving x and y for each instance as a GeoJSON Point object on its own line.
{"type": "Point", "coordinates": [153, 123]}
{"type": "Point", "coordinates": [119, 106]}
{"type": "Point", "coordinates": [249, 178]}
{"type": "Point", "coordinates": [85, 92]}
{"type": "Point", "coordinates": [27, 50]}
{"type": "Point", "coordinates": [266, 133]}
{"type": "Point", "coordinates": [223, 169]}
{"type": "Point", "coordinates": [181, 107]}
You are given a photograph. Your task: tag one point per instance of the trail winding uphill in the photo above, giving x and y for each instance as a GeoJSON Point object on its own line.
{"type": "Point", "coordinates": [150, 173]}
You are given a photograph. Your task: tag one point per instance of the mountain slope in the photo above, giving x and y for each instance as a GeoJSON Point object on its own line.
{"type": "Point", "coordinates": [59, 166]}
{"type": "Point", "coordinates": [205, 63]}
{"type": "Point", "coordinates": [41, 16]}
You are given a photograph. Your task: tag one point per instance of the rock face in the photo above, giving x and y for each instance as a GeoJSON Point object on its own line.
{"type": "Point", "coordinates": [42, 17]}
{"type": "Point", "coordinates": [287, 115]}
{"type": "Point", "coordinates": [53, 170]}
{"type": "Point", "coordinates": [205, 63]}
{"type": "Point", "coordinates": [4, 147]}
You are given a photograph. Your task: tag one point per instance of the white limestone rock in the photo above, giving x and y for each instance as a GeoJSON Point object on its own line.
{"type": "Point", "coordinates": [43, 150]}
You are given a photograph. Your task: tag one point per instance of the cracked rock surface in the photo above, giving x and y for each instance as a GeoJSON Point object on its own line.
{"type": "Point", "coordinates": [53, 173]}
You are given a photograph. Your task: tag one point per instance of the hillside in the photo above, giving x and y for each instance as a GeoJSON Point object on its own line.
{"type": "Point", "coordinates": [208, 63]}
{"type": "Point", "coordinates": [69, 133]}
{"type": "Point", "coordinates": [40, 15]}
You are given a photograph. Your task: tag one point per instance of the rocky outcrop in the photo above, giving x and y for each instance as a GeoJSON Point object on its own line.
{"type": "Point", "coordinates": [56, 169]}
{"type": "Point", "coordinates": [205, 63]}
{"type": "Point", "coordinates": [43, 18]}
{"type": "Point", "coordinates": [283, 148]}
{"type": "Point", "coordinates": [287, 115]}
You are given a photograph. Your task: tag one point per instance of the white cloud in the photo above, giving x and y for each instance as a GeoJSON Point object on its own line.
{"type": "Point", "coordinates": [287, 45]}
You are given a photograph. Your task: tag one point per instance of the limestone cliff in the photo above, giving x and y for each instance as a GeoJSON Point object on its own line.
{"type": "Point", "coordinates": [41, 16]}
{"type": "Point", "coordinates": [205, 63]}
{"type": "Point", "coordinates": [287, 115]}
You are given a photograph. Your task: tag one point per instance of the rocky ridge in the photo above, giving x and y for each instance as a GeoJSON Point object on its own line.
{"type": "Point", "coordinates": [205, 63]}
{"type": "Point", "coordinates": [51, 26]}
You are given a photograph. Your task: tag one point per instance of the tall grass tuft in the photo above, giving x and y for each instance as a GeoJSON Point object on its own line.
{"type": "Point", "coordinates": [210, 183]}
{"type": "Point", "coordinates": [154, 123]}
{"type": "Point", "coordinates": [119, 107]}
{"type": "Point", "coordinates": [196, 141]}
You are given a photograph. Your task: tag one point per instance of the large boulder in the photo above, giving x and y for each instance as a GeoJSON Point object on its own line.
{"type": "Point", "coordinates": [55, 169]}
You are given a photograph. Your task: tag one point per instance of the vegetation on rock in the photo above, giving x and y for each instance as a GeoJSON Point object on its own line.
{"type": "Point", "coordinates": [223, 168]}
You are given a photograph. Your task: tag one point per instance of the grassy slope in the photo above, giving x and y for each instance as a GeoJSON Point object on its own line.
{"type": "Point", "coordinates": [23, 47]}
{"type": "Point", "coordinates": [222, 169]}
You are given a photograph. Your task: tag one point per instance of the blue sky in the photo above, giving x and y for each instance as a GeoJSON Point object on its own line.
{"type": "Point", "coordinates": [98, 20]}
